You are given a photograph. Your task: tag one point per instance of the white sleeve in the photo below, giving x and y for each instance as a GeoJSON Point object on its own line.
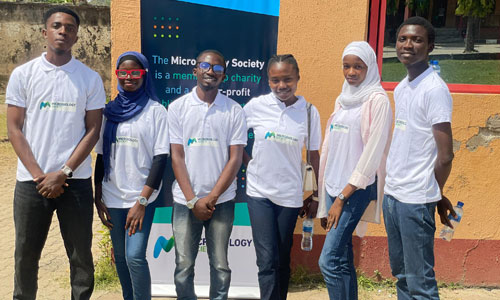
{"type": "Point", "coordinates": [239, 132]}
{"type": "Point", "coordinates": [98, 145]}
{"type": "Point", "coordinates": [174, 125]}
{"type": "Point", "coordinates": [248, 113]}
{"type": "Point", "coordinates": [439, 106]}
{"type": "Point", "coordinates": [315, 130]}
{"type": "Point", "coordinates": [162, 142]}
{"type": "Point", "coordinates": [16, 90]}
{"type": "Point", "coordinates": [96, 99]}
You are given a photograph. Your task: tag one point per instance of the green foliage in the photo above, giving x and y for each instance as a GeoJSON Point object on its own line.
{"type": "Point", "coordinates": [105, 270]}
{"type": "Point", "coordinates": [475, 8]}
{"type": "Point", "coordinates": [420, 7]}
{"type": "Point", "coordinates": [452, 71]}
{"type": "Point", "coordinates": [303, 279]}
{"type": "Point", "coordinates": [392, 7]}
{"type": "Point", "coordinates": [376, 282]}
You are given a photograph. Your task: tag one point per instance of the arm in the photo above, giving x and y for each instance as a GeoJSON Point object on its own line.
{"type": "Point", "coordinates": [102, 210]}
{"type": "Point", "coordinates": [15, 123]}
{"type": "Point", "coordinates": [369, 161]}
{"type": "Point", "coordinates": [49, 183]}
{"type": "Point", "coordinates": [442, 168]}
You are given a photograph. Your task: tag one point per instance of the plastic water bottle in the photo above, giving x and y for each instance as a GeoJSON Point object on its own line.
{"type": "Point", "coordinates": [307, 233]}
{"type": "Point", "coordinates": [436, 67]}
{"type": "Point", "coordinates": [447, 232]}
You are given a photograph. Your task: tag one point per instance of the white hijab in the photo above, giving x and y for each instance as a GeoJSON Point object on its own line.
{"type": "Point", "coordinates": [354, 95]}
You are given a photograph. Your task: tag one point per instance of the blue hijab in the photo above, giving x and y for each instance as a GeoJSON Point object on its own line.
{"type": "Point", "coordinates": [125, 106]}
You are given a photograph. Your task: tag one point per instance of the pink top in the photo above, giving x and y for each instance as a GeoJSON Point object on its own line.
{"type": "Point", "coordinates": [376, 122]}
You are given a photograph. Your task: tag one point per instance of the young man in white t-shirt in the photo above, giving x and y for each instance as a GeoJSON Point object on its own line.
{"type": "Point", "coordinates": [53, 118]}
{"type": "Point", "coordinates": [207, 135]}
{"type": "Point", "coordinates": [418, 164]}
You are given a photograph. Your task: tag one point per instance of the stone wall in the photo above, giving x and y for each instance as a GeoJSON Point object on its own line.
{"type": "Point", "coordinates": [21, 37]}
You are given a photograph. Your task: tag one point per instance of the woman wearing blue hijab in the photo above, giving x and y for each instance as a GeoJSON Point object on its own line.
{"type": "Point", "coordinates": [132, 154]}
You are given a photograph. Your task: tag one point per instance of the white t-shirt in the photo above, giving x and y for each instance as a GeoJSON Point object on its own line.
{"type": "Point", "coordinates": [280, 134]}
{"type": "Point", "coordinates": [206, 132]}
{"type": "Point", "coordinates": [344, 149]}
{"type": "Point", "coordinates": [137, 141]}
{"type": "Point", "coordinates": [56, 101]}
{"type": "Point", "coordinates": [421, 103]}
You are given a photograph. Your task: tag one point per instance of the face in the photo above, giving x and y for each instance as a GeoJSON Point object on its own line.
{"type": "Point", "coordinates": [129, 84]}
{"type": "Point", "coordinates": [354, 69]}
{"type": "Point", "coordinates": [412, 45]}
{"type": "Point", "coordinates": [283, 80]}
{"type": "Point", "coordinates": [208, 79]}
{"type": "Point", "coordinates": [60, 32]}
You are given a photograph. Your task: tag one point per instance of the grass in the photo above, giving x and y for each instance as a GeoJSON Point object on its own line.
{"type": "Point", "coordinates": [105, 270]}
{"type": "Point", "coordinates": [452, 71]}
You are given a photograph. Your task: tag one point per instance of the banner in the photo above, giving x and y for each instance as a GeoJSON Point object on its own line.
{"type": "Point", "coordinates": [173, 34]}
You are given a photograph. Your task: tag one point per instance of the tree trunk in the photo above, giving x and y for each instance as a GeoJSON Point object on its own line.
{"type": "Point", "coordinates": [470, 36]}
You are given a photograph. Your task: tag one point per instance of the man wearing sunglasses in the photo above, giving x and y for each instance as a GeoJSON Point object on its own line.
{"type": "Point", "coordinates": [54, 117]}
{"type": "Point", "coordinates": [207, 135]}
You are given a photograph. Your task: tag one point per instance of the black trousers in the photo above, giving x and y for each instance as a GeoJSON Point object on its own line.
{"type": "Point", "coordinates": [32, 219]}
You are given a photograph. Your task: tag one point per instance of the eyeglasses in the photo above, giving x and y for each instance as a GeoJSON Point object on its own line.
{"type": "Point", "coordinates": [134, 74]}
{"type": "Point", "coordinates": [204, 66]}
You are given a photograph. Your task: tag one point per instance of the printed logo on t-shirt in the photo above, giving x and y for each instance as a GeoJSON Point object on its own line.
{"type": "Point", "coordinates": [400, 124]}
{"type": "Point", "coordinates": [127, 141]}
{"type": "Point", "coordinates": [281, 138]}
{"type": "Point", "coordinates": [203, 142]}
{"type": "Point", "coordinates": [339, 127]}
{"type": "Point", "coordinates": [58, 106]}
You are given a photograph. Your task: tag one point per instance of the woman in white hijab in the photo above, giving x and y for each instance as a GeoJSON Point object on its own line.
{"type": "Point", "coordinates": [352, 163]}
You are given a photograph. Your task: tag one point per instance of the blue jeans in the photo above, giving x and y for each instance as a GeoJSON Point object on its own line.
{"type": "Point", "coordinates": [410, 234]}
{"type": "Point", "coordinates": [187, 233]}
{"type": "Point", "coordinates": [130, 253]}
{"type": "Point", "coordinates": [272, 231]}
{"type": "Point", "coordinates": [32, 218]}
{"type": "Point", "coordinates": [337, 260]}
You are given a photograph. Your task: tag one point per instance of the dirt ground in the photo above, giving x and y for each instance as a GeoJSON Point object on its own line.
{"type": "Point", "coordinates": [54, 269]}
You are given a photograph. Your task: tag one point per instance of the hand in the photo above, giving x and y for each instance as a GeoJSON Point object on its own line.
{"type": "Point", "coordinates": [323, 223]}
{"type": "Point", "coordinates": [443, 206]}
{"type": "Point", "coordinates": [203, 209]}
{"type": "Point", "coordinates": [309, 208]}
{"type": "Point", "coordinates": [134, 218]}
{"type": "Point", "coordinates": [50, 185]}
{"type": "Point", "coordinates": [334, 214]}
{"type": "Point", "coordinates": [103, 213]}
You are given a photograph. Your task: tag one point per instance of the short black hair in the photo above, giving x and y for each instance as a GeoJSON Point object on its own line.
{"type": "Point", "coordinates": [214, 52]}
{"type": "Point", "coordinates": [431, 33]}
{"type": "Point", "coordinates": [287, 58]}
{"type": "Point", "coordinates": [61, 9]}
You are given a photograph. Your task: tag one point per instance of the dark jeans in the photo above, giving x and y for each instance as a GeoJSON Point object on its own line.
{"type": "Point", "coordinates": [410, 235]}
{"type": "Point", "coordinates": [272, 231]}
{"type": "Point", "coordinates": [337, 259]}
{"type": "Point", "coordinates": [32, 219]}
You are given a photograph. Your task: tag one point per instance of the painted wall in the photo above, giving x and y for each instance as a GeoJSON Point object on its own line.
{"type": "Point", "coordinates": [316, 33]}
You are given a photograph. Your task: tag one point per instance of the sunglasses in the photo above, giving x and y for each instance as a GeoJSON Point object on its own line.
{"type": "Point", "coordinates": [134, 74]}
{"type": "Point", "coordinates": [204, 66]}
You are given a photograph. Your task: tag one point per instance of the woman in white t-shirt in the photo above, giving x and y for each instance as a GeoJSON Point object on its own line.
{"type": "Point", "coordinates": [353, 155]}
{"type": "Point", "coordinates": [274, 179]}
{"type": "Point", "coordinates": [132, 154]}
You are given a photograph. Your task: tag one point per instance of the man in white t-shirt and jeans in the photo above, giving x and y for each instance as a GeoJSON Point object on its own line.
{"type": "Point", "coordinates": [54, 117]}
{"type": "Point", "coordinates": [207, 135]}
{"type": "Point", "coordinates": [418, 165]}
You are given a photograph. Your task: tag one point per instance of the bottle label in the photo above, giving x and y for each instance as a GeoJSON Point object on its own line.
{"type": "Point", "coordinates": [307, 229]}
{"type": "Point", "coordinates": [457, 219]}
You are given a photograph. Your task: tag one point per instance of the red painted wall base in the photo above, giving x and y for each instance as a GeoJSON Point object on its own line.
{"type": "Point", "coordinates": [465, 261]}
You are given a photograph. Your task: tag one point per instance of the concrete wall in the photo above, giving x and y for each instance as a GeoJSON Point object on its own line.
{"type": "Point", "coordinates": [21, 37]}
{"type": "Point", "coordinates": [316, 32]}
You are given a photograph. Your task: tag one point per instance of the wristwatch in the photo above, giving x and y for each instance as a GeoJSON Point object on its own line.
{"type": "Point", "coordinates": [143, 201]}
{"type": "Point", "coordinates": [341, 197]}
{"type": "Point", "coordinates": [67, 171]}
{"type": "Point", "coordinates": [190, 204]}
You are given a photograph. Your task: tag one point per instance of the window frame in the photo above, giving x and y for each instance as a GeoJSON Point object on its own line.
{"type": "Point", "coordinates": [376, 29]}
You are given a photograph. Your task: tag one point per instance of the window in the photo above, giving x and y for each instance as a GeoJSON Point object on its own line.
{"type": "Point", "coordinates": [473, 71]}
